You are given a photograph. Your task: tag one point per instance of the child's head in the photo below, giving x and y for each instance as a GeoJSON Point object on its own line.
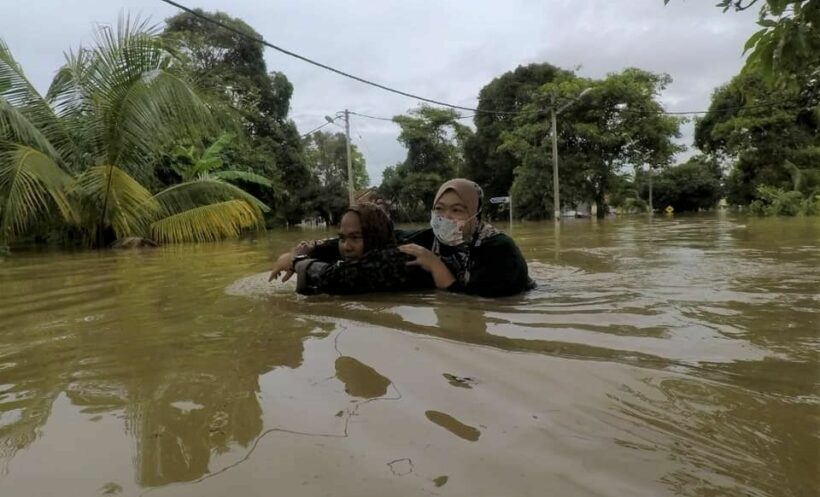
{"type": "Point", "coordinates": [364, 227]}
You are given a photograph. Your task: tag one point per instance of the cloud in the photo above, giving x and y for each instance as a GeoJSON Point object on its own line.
{"type": "Point", "coordinates": [443, 50]}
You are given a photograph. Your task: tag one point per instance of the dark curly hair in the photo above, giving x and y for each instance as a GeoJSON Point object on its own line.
{"type": "Point", "coordinates": [377, 228]}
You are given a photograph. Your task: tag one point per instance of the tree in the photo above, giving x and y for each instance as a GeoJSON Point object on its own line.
{"type": "Point", "coordinates": [767, 137]}
{"type": "Point", "coordinates": [89, 148]}
{"type": "Point", "coordinates": [234, 68]}
{"type": "Point", "coordinates": [619, 123]}
{"type": "Point", "coordinates": [509, 93]}
{"type": "Point", "coordinates": [690, 186]}
{"type": "Point", "coordinates": [326, 157]}
{"type": "Point", "coordinates": [435, 142]}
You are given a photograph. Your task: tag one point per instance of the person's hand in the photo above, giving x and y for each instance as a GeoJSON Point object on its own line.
{"type": "Point", "coordinates": [304, 248]}
{"type": "Point", "coordinates": [425, 259]}
{"type": "Point", "coordinates": [284, 264]}
{"type": "Point", "coordinates": [431, 263]}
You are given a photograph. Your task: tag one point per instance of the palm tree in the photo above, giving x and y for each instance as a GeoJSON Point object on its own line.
{"type": "Point", "coordinates": [87, 149]}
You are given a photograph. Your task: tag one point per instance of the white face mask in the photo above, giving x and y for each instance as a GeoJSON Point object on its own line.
{"type": "Point", "coordinates": [448, 231]}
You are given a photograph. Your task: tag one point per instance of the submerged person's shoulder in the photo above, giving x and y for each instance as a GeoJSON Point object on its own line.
{"type": "Point", "coordinates": [497, 241]}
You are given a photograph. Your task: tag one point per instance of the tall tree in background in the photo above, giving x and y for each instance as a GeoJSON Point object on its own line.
{"type": "Point", "coordinates": [434, 139]}
{"type": "Point", "coordinates": [618, 124]}
{"type": "Point", "coordinates": [485, 163]}
{"type": "Point", "coordinates": [326, 157]}
{"type": "Point", "coordinates": [234, 67]}
{"type": "Point", "coordinates": [767, 137]}
{"type": "Point", "coordinates": [690, 186]}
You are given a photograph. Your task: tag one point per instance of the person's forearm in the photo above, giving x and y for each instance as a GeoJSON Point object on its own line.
{"type": "Point", "coordinates": [442, 276]}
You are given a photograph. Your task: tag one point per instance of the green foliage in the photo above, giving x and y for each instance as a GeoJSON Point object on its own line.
{"type": "Point", "coordinates": [690, 186]}
{"type": "Point", "coordinates": [769, 137]}
{"type": "Point", "coordinates": [774, 201]}
{"type": "Point", "coordinates": [207, 223]}
{"type": "Point", "coordinates": [234, 68]}
{"type": "Point", "coordinates": [434, 140]}
{"type": "Point", "coordinates": [485, 163]}
{"type": "Point", "coordinates": [108, 116]}
{"type": "Point", "coordinates": [110, 197]}
{"type": "Point", "coordinates": [326, 157]}
{"type": "Point", "coordinates": [617, 124]}
{"type": "Point", "coordinates": [31, 185]}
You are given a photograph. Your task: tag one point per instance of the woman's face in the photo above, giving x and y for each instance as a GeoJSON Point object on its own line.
{"type": "Point", "coordinates": [351, 241]}
{"type": "Point", "coordinates": [452, 207]}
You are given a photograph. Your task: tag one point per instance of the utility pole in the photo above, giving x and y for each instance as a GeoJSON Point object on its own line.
{"type": "Point", "coordinates": [556, 200]}
{"type": "Point", "coordinates": [651, 209]}
{"type": "Point", "coordinates": [350, 192]}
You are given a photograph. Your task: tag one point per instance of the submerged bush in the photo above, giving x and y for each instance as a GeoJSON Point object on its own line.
{"type": "Point", "coordinates": [773, 201]}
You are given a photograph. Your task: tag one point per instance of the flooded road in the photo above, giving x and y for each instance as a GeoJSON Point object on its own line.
{"type": "Point", "coordinates": [677, 356]}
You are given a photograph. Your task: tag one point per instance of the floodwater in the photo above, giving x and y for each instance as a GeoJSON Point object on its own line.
{"type": "Point", "coordinates": [677, 356]}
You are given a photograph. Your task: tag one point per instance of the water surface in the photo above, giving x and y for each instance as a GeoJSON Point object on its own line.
{"type": "Point", "coordinates": [671, 357]}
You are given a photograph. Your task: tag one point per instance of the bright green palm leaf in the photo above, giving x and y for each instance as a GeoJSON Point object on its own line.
{"type": "Point", "coordinates": [159, 108]}
{"type": "Point", "coordinates": [245, 176]}
{"type": "Point", "coordinates": [53, 138]}
{"type": "Point", "coordinates": [212, 156]}
{"type": "Point", "coordinates": [31, 186]}
{"type": "Point", "coordinates": [207, 223]}
{"type": "Point", "coordinates": [202, 191]}
{"type": "Point", "coordinates": [127, 206]}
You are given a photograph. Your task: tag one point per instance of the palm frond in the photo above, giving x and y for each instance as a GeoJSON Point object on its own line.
{"type": "Point", "coordinates": [203, 191]}
{"type": "Point", "coordinates": [125, 204]}
{"type": "Point", "coordinates": [245, 176]}
{"type": "Point", "coordinates": [207, 223]}
{"type": "Point", "coordinates": [20, 94]}
{"type": "Point", "coordinates": [31, 185]}
{"type": "Point", "coordinates": [69, 90]}
{"type": "Point", "coordinates": [15, 127]}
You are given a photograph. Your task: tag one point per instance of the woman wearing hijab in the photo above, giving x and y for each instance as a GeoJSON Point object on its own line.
{"type": "Point", "coordinates": [365, 259]}
{"type": "Point", "coordinates": [463, 253]}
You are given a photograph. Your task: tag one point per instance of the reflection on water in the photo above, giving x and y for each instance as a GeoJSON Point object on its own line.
{"type": "Point", "coordinates": [453, 425]}
{"type": "Point", "coordinates": [360, 379]}
{"type": "Point", "coordinates": [677, 357]}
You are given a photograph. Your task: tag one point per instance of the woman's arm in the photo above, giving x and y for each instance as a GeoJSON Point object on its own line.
{"type": "Point", "coordinates": [377, 271]}
{"type": "Point", "coordinates": [323, 250]}
{"type": "Point", "coordinates": [430, 262]}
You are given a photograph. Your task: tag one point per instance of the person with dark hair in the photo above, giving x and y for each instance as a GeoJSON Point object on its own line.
{"type": "Point", "coordinates": [463, 253]}
{"type": "Point", "coordinates": [459, 252]}
{"type": "Point", "coordinates": [365, 259]}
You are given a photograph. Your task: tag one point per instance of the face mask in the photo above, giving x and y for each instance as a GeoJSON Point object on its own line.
{"type": "Point", "coordinates": [447, 231]}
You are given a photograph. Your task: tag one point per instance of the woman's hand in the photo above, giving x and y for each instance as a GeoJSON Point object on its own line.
{"type": "Point", "coordinates": [431, 263]}
{"type": "Point", "coordinates": [284, 264]}
{"type": "Point", "coordinates": [304, 248]}
{"type": "Point", "coordinates": [425, 259]}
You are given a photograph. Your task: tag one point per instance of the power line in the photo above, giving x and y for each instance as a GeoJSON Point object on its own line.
{"type": "Point", "coordinates": [315, 63]}
{"type": "Point", "coordinates": [371, 117]}
{"type": "Point", "coordinates": [378, 118]}
{"type": "Point", "coordinates": [411, 95]}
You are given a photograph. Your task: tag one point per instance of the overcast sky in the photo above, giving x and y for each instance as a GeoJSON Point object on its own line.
{"type": "Point", "coordinates": [443, 49]}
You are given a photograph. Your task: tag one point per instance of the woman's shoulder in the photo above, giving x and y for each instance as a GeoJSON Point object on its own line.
{"type": "Point", "coordinates": [497, 240]}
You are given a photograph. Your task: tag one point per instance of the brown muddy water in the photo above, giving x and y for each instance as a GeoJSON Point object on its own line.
{"type": "Point", "coordinates": [677, 356]}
